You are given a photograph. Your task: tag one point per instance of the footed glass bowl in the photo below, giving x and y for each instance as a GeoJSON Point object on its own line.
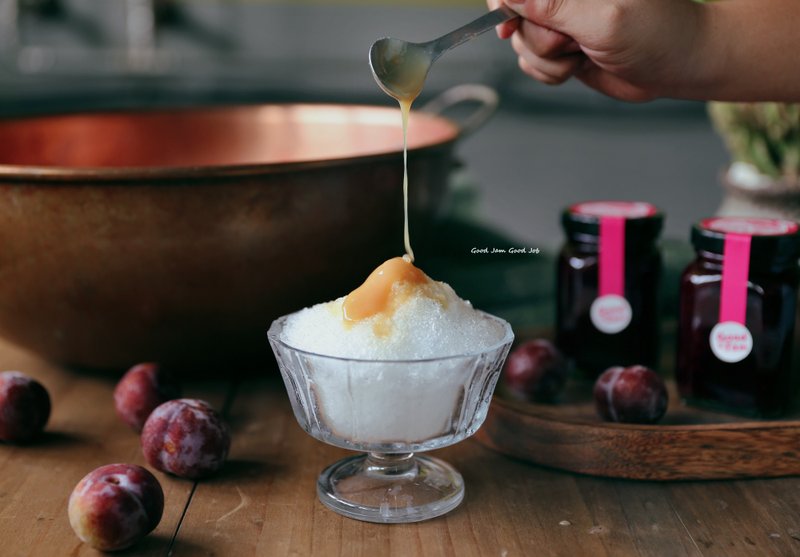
{"type": "Point", "coordinates": [391, 409]}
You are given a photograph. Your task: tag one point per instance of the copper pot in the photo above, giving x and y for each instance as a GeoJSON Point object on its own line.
{"type": "Point", "coordinates": [177, 236]}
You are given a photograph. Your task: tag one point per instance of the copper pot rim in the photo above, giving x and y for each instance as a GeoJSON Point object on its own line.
{"type": "Point", "coordinates": [64, 174]}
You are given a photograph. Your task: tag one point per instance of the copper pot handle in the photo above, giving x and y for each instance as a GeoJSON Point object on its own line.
{"type": "Point", "coordinates": [486, 98]}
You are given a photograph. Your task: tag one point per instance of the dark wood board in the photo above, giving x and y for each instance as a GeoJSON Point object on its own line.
{"type": "Point", "coordinates": [690, 443]}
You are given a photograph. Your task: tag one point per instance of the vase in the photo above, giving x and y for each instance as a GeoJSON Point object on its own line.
{"type": "Point", "coordinates": [749, 193]}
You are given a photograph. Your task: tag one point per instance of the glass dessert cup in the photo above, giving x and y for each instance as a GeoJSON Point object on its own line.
{"type": "Point", "coordinates": [390, 410]}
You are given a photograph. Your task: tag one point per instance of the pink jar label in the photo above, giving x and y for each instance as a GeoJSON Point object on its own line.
{"type": "Point", "coordinates": [610, 312]}
{"type": "Point", "coordinates": [730, 339]}
{"type": "Point", "coordinates": [735, 270]}
{"type": "Point", "coordinates": [611, 272]}
{"type": "Point", "coordinates": [750, 227]}
{"type": "Point", "coordinates": [624, 209]}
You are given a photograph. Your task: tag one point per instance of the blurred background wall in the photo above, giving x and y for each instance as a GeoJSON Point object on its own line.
{"type": "Point", "coordinates": [545, 147]}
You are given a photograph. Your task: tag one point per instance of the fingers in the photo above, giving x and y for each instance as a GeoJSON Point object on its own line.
{"type": "Point", "coordinates": [545, 42]}
{"type": "Point", "coordinates": [552, 75]}
{"type": "Point", "coordinates": [504, 30]}
{"type": "Point", "coordinates": [550, 70]}
{"type": "Point", "coordinates": [558, 39]}
{"type": "Point", "coordinates": [562, 15]}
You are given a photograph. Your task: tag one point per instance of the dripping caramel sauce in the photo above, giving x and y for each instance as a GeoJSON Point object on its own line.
{"type": "Point", "coordinates": [393, 282]}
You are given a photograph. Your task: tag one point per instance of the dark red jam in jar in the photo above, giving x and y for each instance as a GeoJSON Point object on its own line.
{"type": "Point", "coordinates": [608, 275]}
{"type": "Point", "coordinates": [737, 316]}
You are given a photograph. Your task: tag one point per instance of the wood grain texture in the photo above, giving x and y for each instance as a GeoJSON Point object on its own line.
{"type": "Point", "coordinates": [625, 512]}
{"type": "Point", "coordinates": [690, 443]}
{"type": "Point", "coordinates": [83, 433]}
{"type": "Point", "coordinates": [264, 502]}
{"type": "Point", "coordinates": [270, 507]}
{"type": "Point", "coordinates": [722, 522]}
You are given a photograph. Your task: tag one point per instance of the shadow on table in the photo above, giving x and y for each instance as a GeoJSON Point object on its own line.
{"type": "Point", "coordinates": [149, 545]}
{"type": "Point", "coordinates": [240, 469]}
{"type": "Point", "coordinates": [50, 440]}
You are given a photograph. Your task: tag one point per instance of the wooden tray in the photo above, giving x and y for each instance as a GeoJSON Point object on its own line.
{"type": "Point", "coordinates": [689, 443]}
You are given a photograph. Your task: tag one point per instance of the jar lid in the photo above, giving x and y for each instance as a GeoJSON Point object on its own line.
{"type": "Point", "coordinates": [773, 241]}
{"type": "Point", "coordinates": [642, 220]}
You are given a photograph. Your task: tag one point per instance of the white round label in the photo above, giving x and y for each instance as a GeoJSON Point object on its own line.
{"type": "Point", "coordinates": [610, 313]}
{"type": "Point", "coordinates": [730, 341]}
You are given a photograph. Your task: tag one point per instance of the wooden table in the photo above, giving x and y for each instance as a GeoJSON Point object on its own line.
{"type": "Point", "coordinates": [264, 502]}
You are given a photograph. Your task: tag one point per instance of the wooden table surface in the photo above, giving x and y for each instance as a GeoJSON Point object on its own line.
{"type": "Point", "coordinates": [264, 501]}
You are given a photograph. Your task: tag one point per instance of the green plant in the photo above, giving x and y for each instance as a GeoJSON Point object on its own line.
{"type": "Point", "coordinates": [766, 135]}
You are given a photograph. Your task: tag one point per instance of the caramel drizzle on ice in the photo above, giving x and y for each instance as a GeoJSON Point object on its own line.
{"type": "Point", "coordinates": [375, 295]}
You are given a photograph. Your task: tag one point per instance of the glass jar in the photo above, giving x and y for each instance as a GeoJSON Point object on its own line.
{"type": "Point", "coordinates": [737, 316]}
{"type": "Point", "coordinates": [608, 276]}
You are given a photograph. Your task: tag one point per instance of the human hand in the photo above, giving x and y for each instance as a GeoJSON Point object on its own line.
{"type": "Point", "coordinates": [633, 50]}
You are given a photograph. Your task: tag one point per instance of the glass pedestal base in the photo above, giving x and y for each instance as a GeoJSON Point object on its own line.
{"type": "Point", "coordinates": [390, 488]}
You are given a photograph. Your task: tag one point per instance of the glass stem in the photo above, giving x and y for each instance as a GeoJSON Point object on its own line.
{"type": "Point", "coordinates": [390, 464]}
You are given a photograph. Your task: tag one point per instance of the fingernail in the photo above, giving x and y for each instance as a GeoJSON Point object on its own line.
{"type": "Point", "coordinates": [516, 5]}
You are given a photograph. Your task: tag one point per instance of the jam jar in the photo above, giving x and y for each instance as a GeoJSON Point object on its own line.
{"type": "Point", "coordinates": [608, 276]}
{"type": "Point", "coordinates": [737, 316]}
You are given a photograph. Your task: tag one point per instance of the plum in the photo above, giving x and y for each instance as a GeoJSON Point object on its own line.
{"type": "Point", "coordinates": [535, 370]}
{"type": "Point", "coordinates": [141, 390]}
{"type": "Point", "coordinates": [24, 407]}
{"type": "Point", "coordinates": [186, 437]}
{"type": "Point", "coordinates": [116, 505]}
{"type": "Point", "coordinates": [634, 394]}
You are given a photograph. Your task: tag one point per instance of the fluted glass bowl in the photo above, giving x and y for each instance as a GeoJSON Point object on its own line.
{"type": "Point", "coordinates": [390, 409]}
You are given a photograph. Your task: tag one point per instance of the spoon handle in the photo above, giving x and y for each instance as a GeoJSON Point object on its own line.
{"type": "Point", "coordinates": [470, 30]}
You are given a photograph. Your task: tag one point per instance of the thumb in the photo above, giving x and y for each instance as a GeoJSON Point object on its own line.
{"type": "Point", "coordinates": [559, 15]}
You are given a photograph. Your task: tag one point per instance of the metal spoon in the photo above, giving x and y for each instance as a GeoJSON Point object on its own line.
{"type": "Point", "coordinates": [400, 67]}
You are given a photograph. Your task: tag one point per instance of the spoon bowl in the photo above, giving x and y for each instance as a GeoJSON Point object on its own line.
{"type": "Point", "coordinates": [400, 67]}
